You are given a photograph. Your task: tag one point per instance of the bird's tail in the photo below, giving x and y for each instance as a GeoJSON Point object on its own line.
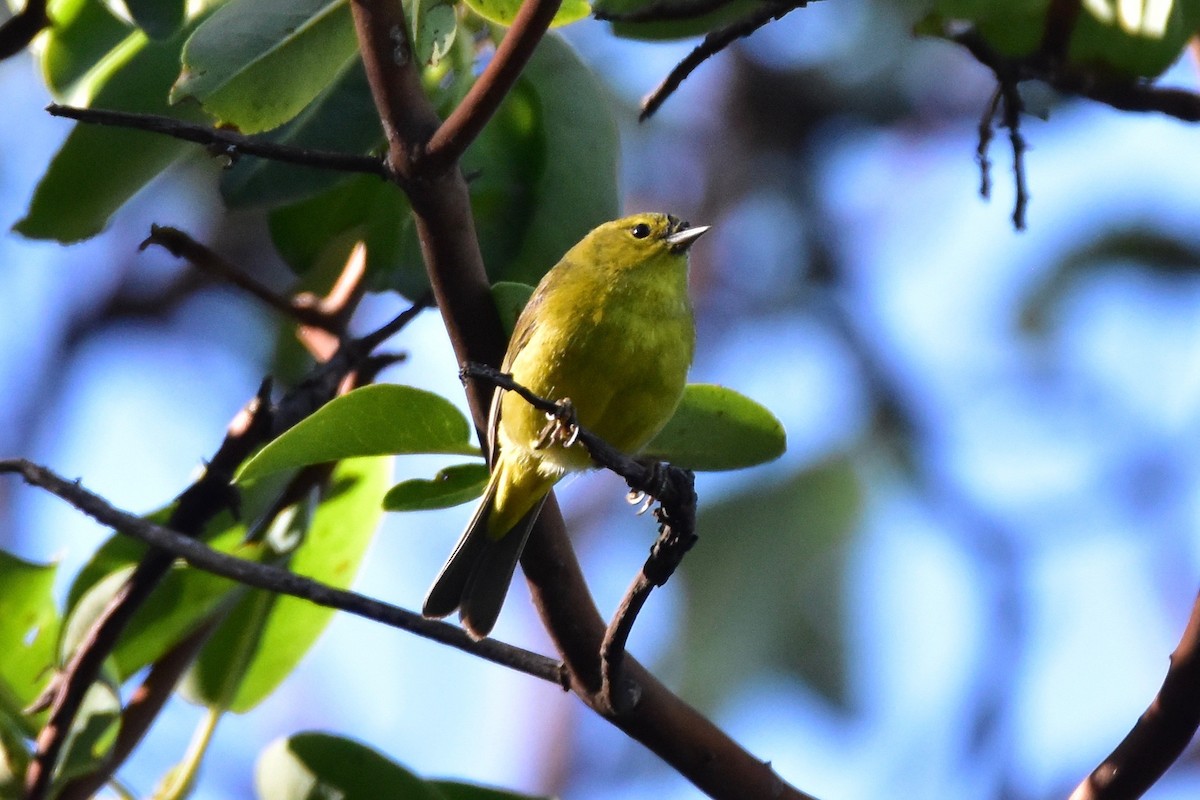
{"type": "Point", "coordinates": [475, 578]}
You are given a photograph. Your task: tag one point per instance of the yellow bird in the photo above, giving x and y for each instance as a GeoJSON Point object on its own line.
{"type": "Point", "coordinates": [610, 329]}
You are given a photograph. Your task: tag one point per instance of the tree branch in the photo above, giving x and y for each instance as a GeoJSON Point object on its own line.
{"type": "Point", "coordinates": [1162, 732]}
{"type": "Point", "coordinates": [18, 31]}
{"type": "Point", "coordinates": [663, 11]}
{"type": "Point", "coordinates": [224, 142]}
{"type": "Point", "coordinates": [714, 43]}
{"type": "Point", "coordinates": [466, 121]}
{"type": "Point", "coordinates": [275, 579]}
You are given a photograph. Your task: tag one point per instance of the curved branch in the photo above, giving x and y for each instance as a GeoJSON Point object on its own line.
{"type": "Point", "coordinates": [17, 32]}
{"type": "Point", "coordinates": [1161, 733]}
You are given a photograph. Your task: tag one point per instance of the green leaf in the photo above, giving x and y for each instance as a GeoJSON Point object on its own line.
{"type": "Point", "coordinates": [317, 765]}
{"type": "Point", "coordinates": [1134, 39]}
{"type": "Point", "coordinates": [160, 19]}
{"type": "Point", "coordinates": [183, 599]}
{"type": "Point", "coordinates": [29, 627]}
{"type": "Point", "coordinates": [558, 125]}
{"type": "Point", "coordinates": [92, 733]}
{"type": "Point", "coordinates": [510, 299]}
{"type": "Point", "coordinates": [676, 28]}
{"type": "Point", "coordinates": [99, 168]}
{"type": "Point", "coordinates": [794, 538]}
{"type": "Point", "coordinates": [716, 428]}
{"type": "Point", "coordinates": [342, 119]}
{"type": "Point", "coordinates": [256, 64]}
{"type": "Point", "coordinates": [383, 419]}
{"type": "Point", "coordinates": [323, 230]}
{"type": "Point", "coordinates": [267, 634]}
{"type": "Point", "coordinates": [435, 25]}
{"type": "Point", "coordinates": [504, 12]}
{"type": "Point", "coordinates": [83, 31]}
{"type": "Point", "coordinates": [450, 487]}
{"type": "Point", "coordinates": [14, 759]}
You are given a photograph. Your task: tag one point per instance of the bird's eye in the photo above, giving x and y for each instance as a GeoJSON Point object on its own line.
{"type": "Point", "coordinates": [640, 231]}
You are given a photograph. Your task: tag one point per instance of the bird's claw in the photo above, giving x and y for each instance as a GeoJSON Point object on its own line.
{"type": "Point", "coordinates": [562, 426]}
{"type": "Point", "coordinates": [637, 496]}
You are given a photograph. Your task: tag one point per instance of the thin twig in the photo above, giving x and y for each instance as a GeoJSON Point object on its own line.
{"type": "Point", "coordinates": [714, 43]}
{"type": "Point", "coordinates": [180, 245]}
{"type": "Point", "coordinates": [663, 11]}
{"type": "Point", "coordinates": [985, 141]}
{"type": "Point", "coordinates": [203, 500]}
{"type": "Point", "coordinates": [225, 142]}
{"type": "Point", "coordinates": [281, 581]}
{"type": "Point", "coordinates": [454, 135]}
{"type": "Point", "coordinates": [1161, 733]}
{"type": "Point", "coordinates": [1013, 106]}
{"type": "Point", "coordinates": [18, 31]}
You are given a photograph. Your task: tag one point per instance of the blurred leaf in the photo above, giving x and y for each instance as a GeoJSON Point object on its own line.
{"type": "Point", "coordinates": [510, 299]}
{"type": "Point", "coordinates": [160, 19]}
{"type": "Point", "coordinates": [1134, 39]}
{"type": "Point", "coordinates": [83, 31]}
{"type": "Point", "coordinates": [29, 627]}
{"type": "Point", "coordinates": [504, 12]}
{"type": "Point", "coordinates": [256, 64]}
{"type": "Point", "coordinates": [435, 25]}
{"type": "Point", "coordinates": [676, 28]}
{"type": "Point", "coordinates": [765, 584]}
{"type": "Point", "coordinates": [716, 428]}
{"type": "Point", "coordinates": [14, 759]}
{"type": "Point", "coordinates": [450, 487]}
{"type": "Point", "coordinates": [384, 419]}
{"type": "Point", "coordinates": [117, 552]}
{"type": "Point", "coordinates": [98, 168]}
{"type": "Point", "coordinates": [324, 229]}
{"type": "Point", "coordinates": [1013, 28]}
{"type": "Point", "coordinates": [341, 119]}
{"type": "Point", "coordinates": [1144, 247]}
{"type": "Point", "coordinates": [267, 634]}
{"type": "Point", "coordinates": [306, 766]}
{"type": "Point", "coordinates": [92, 733]}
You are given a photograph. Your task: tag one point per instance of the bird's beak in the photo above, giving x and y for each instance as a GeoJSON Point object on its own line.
{"type": "Point", "coordinates": [680, 241]}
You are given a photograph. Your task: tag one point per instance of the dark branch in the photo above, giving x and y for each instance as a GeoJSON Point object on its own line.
{"type": "Point", "coordinates": [714, 43]}
{"type": "Point", "coordinates": [274, 579]}
{"type": "Point", "coordinates": [1013, 107]}
{"type": "Point", "coordinates": [225, 142]}
{"type": "Point", "coordinates": [985, 140]}
{"type": "Point", "coordinates": [1162, 732]}
{"type": "Point", "coordinates": [180, 245]}
{"type": "Point", "coordinates": [454, 135]}
{"type": "Point", "coordinates": [664, 11]}
{"type": "Point", "coordinates": [198, 504]}
{"type": "Point", "coordinates": [18, 31]}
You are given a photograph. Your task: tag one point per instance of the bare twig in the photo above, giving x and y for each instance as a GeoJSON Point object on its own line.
{"type": "Point", "coordinates": [1162, 732]}
{"type": "Point", "coordinates": [714, 43]}
{"type": "Point", "coordinates": [18, 31]}
{"type": "Point", "coordinates": [281, 581]}
{"type": "Point", "coordinates": [985, 141]}
{"type": "Point", "coordinates": [514, 51]}
{"type": "Point", "coordinates": [1013, 106]}
{"type": "Point", "coordinates": [225, 142]}
{"type": "Point", "coordinates": [180, 245]}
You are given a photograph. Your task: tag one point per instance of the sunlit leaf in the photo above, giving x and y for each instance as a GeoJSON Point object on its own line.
{"type": "Point", "coordinates": [435, 25]}
{"type": "Point", "coordinates": [99, 168]}
{"type": "Point", "coordinates": [92, 733]}
{"type": "Point", "coordinates": [310, 765]}
{"type": "Point", "coordinates": [383, 419]}
{"type": "Point", "coordinates": [267, 634]}
{"type": "Point", "coordinates": [716, 428]}
{"type": "Point", "coordinates": [83, 31]}
{"type": "Point", "coordinates": [450, 487]}
{"type": "Point", "coordinates": [255, 64]}
{"type": "Point", "coordinates": [504, 12]}
{"type": "Point", "coordinates": [29, 627]}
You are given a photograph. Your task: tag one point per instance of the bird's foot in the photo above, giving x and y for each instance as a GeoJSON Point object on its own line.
{"type": "Point", "coordinates": [655, 484]}
{"type": "Point", "coordinates": [562, 426]}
